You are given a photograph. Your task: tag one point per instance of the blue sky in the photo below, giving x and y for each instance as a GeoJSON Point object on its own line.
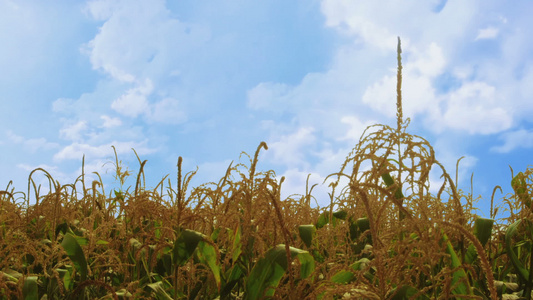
{"type": "Point", "coordinates": [206, 80]}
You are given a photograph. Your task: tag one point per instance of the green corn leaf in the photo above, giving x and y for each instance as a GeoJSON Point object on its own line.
{"type": "Point", "coordinates": [323, 219]}
{"type": "Point", "coordinates": [30, 289]}
{"type": "Point", "coordinates": [215, 234]}
{"type": "Point", "coordinates": [185, 245]}
{"type": "Point", "coordinates": [11, 275]}
{"type": "Point", "coordinates": [482, 231]}
{"type": "Point", "coordinates": [307, 232]}
{"type": "Point", "coordinates": [75, 253]}
{"type": "Point", "coordinates": [233, 275]}
{"type": "Point", "coordinates": [237, 245]}
{"type": "Point", "coordinates": [207, 255]}
{"type": "Point", "coordinates": [342, 277]}
{"type": "Point", "coordinates": [459, 278]}
{"type": "Point", "coordinates": [64, 274]}
{"type": "Point", "coordinates": [341, 214]}
{"type": "Point", "coordinates": [360, 264]}
{"type": "Point", "coordinates": [520, 268]}
{"type": "Point", "coordinates": [389, 181]}
{"type": "Point", "coordinates": [363, 224]}
{"type": "Point", "coordinates": [266, 274]}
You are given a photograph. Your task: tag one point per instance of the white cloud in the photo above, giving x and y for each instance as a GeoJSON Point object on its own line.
{"type": "Point", "coordinates": [487, 33]}
{"type": "Point", "coordinates": [268, 96]}
{"type": "Point", "coordinates": [429, 63]}
{"type": "Point", "coordinates": [357, 18]}
{"type": "Point", "coordinates": [73, 132]}
{"type": "Point", "coordinates": [62, 105]}
{"type": "Point", "coordinates": [14, 138]}
{"type": "Point", "coordinates": [110, 122]}
{"type": "Point", "coordinates": [41, 179]}
{"type": "Point", "coordinates": [418, 93]}
{"type": "Point", "coordinates": [77, 150]}
{"type": "Point", "coordinates": [210, 171]}
{"type": "Point", "coordinates": [295, 182]}
{"type": "Point", "coordinates": [515, 139]}
{"type": "Point", "coordinates": [134, 102]}
{"type": "Point", "coordinates": [357, 127]}
{"type": "Point", "coordinates": [475, 107]}
{"type": "Point", "coordinates": [139, 39]}
{"type": "Point", "coordinates": [167, 111]}
{"type": "Point", "coordinates": [31, 145]}
{"type": "Point", "coordinates": [101, 9]}
{"type": "Point", "coordinates": [378, 23]}
{"type": "Point", "coordinates": [289, 149]}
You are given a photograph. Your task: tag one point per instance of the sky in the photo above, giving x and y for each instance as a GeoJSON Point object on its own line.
{"type": "Point", "coordinates": [207, 80]}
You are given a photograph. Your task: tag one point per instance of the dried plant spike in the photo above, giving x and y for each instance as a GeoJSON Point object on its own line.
{"type": "Point", "coordinates": [180, 160]}
{"type": "Point", "coordinates": [399, 113]}
{"type": "Point", "coordinates": [254, 162]}
{"type": "Point", "coordinates": [492, 212]}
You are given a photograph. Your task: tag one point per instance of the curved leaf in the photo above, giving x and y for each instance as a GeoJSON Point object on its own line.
{"type": "Point", "coordinates": [75, 253]}
{"type": "Point", "coordinates": [237, 245]}
{"type": "Point", "coordinates": [266, 274]}
{"type": "Point", "coordinates": [342, 277]}
{"type": "Point", "coordinates": [520, 268]}
{"type": "Point", "coordinates": [341, 214]}
{"type": "Point", "coordinates": [30, 289]}
{"type": "Point", "coordinates": [459, 278]}
{"type": "Point", "coordinates": [185, 245]}
{"type": "Point", "coordinates": [307, 232]}
{"type": "Point", "coordinates": [482, 231]}
{"type": "Point", "coordinates": [389, 181]}
{"type": "Point", "coordinates": [207, 255]}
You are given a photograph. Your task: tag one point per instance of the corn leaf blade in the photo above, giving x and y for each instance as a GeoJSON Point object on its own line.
{"type": "Point", "coordinates": [207, 255]}
{"type": "Point", "coordinates": [459, 277]}
{"type": "Point", "coordinates": [185, 246]}
{"type": "Point", "coordinates": [520, 268]}
{"type": "Point", "coordinates": [307, 232]}
{"type": "Point", "coordinates": [30, 288]}
{"type": "Point", "coordinates": [75, 253]}
{"type": "Point", "coordinates": [267, 273]}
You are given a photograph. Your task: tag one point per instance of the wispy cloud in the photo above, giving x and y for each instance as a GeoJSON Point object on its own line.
{"type": "Point", "coordinates": [77, 150]}
{"type": "Point", "coordinates": [73, 132]}
{"type": "Point", "coordinates": [487, 33]}
{"type": "Point", "coordinates": [134, 102]}
{"type": "Point", "coordinates": [110, 122]}
{"type": "Point", "coordinates": [520, 138]}
{"type": "Point", "coordinates": [31, 145]}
